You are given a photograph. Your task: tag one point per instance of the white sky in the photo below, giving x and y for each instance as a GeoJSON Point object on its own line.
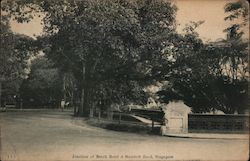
{"type": "Point", "coordinates": [211, 11]}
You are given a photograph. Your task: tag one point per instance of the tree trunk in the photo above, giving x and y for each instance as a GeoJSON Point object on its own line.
{"type": "Point", "coordinates": [248, 91]}
{"type": "Point", "coordinates": [64, 87]}
{"type": "Point", "coordinates": [86, 88]}
{"type": "Point", "coordinates": [91, 110]}
{"type": "Point", "coordinates": [0, 94]}
{"type": "Point", "coordinates": [81, 111]}
{"type": "Point", "coordinates": [82, 102]}
{"type": "Point", "coordinates": [86, 100]}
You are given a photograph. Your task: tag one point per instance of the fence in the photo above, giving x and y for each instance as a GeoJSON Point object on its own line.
{"type": "Point", "coordinates": [218, 123]}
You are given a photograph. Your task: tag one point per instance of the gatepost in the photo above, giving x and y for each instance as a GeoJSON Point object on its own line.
{"type": "Point", "coordinates": [176, 118]}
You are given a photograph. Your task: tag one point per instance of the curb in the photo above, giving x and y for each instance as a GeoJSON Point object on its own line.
{"type": "Point", "coordinates": [219, 136]}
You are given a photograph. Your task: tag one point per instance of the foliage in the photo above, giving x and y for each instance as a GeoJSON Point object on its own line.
{"type": "Point", "coordinates": [15, 52]}
{"type": "Point", "coordinates": [108, 51]}
{"type": "Point", "coordinates": [43, 86]}
{"type": "Point", "coordinates": [238, 10]}
{"type": "Point", "coordinates": [209, 76]}
{"type": "Point", "coordinates": [103, 42]}
{"type": "Point", "coordinates": [189, 78]}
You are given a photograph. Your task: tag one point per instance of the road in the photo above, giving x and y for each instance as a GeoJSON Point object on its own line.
{"type": "Point", "coordinates": [55, 135]}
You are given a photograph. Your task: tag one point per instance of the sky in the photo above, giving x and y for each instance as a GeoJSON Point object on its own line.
{"type": "Point", "coordinates": [211, 11]}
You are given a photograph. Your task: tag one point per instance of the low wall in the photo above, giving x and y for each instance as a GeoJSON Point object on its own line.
{"type": "Point", "coordinates": [115, 116]}
{"type": "Point", "coordinates": [155, 115]}
{"type": "Point", "coordinates": [218, 123]}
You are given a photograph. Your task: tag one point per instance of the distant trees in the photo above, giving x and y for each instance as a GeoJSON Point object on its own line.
{"type": "Point", "coordinates": [43, 87]}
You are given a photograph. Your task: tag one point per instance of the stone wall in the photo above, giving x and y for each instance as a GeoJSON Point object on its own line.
{"type": "Point", "coordinates": [208, 123]}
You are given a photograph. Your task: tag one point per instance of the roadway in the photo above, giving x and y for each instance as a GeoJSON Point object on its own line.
{"type": "Point", "coordinates": [55, 135]}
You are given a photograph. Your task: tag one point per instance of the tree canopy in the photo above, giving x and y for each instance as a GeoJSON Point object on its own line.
{"type": "Point", "coordinates": [213, 75]}
{"type": "Point", "coordinates": [110, 50]}
{"type": "Point", "coordinates": [15, 51]}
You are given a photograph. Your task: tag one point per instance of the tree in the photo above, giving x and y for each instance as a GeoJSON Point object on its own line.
{"type": "Point", "coordinates": [15, 51]}
{"type": "Point", "coordinates": [43, 85]}
{"type": "Point", "coordinates": [238, 10]}
{"type": "Point", "coordinates": [105, 41]}
{"type": "Point", "coordinates": [209, 76]}
{"type": "Point", "coordinates": [234, 58]}
{"type": "Point", "coordinates": [231, 75]}
{"type": "Point", "coordinates": [190, 77]}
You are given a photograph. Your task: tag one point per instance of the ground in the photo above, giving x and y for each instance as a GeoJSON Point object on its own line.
{"type": "Point", "coordinates": [55, 135]}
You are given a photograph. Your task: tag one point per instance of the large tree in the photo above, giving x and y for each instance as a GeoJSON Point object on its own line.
{"type": "Point", "coordinates": [113, 42]}
{"type": "Point", "coordinates": [103, 42]}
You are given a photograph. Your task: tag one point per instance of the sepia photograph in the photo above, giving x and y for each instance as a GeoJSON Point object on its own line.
{"type": "Point", "coordinates": [124, 80]}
